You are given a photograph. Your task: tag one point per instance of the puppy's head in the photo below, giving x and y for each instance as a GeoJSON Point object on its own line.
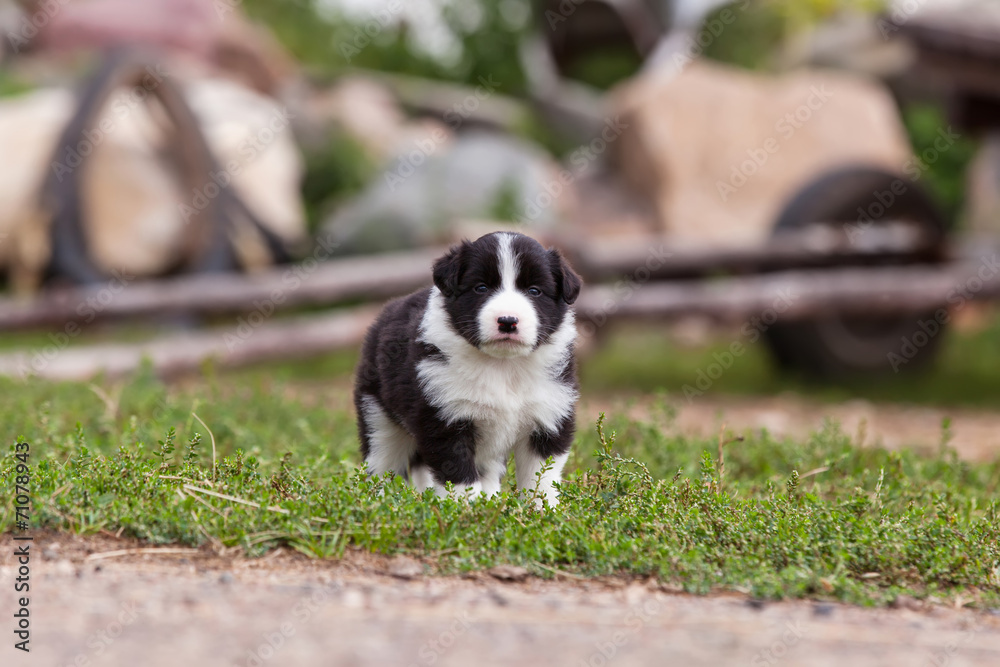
{"type": "Point", "coordinates": [505, 293]}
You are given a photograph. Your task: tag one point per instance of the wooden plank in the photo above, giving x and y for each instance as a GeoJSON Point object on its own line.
{"type": "Point", "coordinates": [176, 354]}
{"type": "Point", "coordinates": [310, 282]}
{"type": "Point", "coordinates": [786, 296]}
{"type": "Point", "coordinates": [798, 294]}
{"type": "Point", "coordinates": [325, 283]}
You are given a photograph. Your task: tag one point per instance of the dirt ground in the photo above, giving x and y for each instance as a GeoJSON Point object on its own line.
{"type": "Point", "coordinates": [103, 601]}
{"type": "Point", "coordinates": [93, 605]}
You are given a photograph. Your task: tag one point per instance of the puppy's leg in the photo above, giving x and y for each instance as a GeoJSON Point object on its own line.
{"type": "Point", "coordinates": [385, 444]}
{"type": "Point", "coordinates": [449, 452]}
{"type": "Point", "coordinates": [491, 474]}
{"type": "Point", "coordinates": [530, 457]}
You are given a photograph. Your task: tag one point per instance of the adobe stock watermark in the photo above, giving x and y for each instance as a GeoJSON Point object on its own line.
{"type": "Point", "coordinates": [780, 648]}
{"type": "Point", "coordinates": [915, 168]}
{"type": "Point", "coordinates": [635, 620]}
{"type": "Point", "coordinates": [786, 127]}
{"type": "Point", "coordinates": [943, 657]}
{"type": "Point", "coordinates": [370, 29]}
{"type": "Point", "coordinates": [432, 650]}
{"type": "Point", "coordinates": [957, 298]}
{"type": "Point", "coordinates": [900, 12]}
{"type": "Point", "coordinates": [750, 333]}
{"type": "Point", "coordinates": [30, 25]}
{"type": "Point", "coordinates": [291, 281]}
{"type": "Point", "coordinates": [276, 639]}
{"type": "Point", "coordinates": [561, 13]}
{"type": "Point", "coordinates": [249, 150]}
{"type": "Point", "coordinates": [122, 106]}
{"type": "Point", "coordinates": [407, 164]}
{"type": "Point", "coordinates": [99, 642]}
{"type": "Point", "coordinates": [38, 359]}
{"type": "Point", "coordinates": [580, 161]}
{"type": "Point", "coordinates": [624, 289]}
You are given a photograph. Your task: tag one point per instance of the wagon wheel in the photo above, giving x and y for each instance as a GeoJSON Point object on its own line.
{"type": "Point", "coordinates": [862, 207]}
{"type": "Point", "coordinates": [207, 244]}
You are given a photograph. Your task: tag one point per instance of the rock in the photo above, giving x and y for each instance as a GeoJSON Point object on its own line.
{"type": "Point", "coordinates": [906, 602]}
{"type": "Point", "coordinates": [370, 114]}
{"type": "Point", "coordinates": [720, 176]}
{"type": "Point", "coordinates": [65, 568]}
{"type": "Point", "coordinates": [823, 609]}
{"type": "Point", "coordinates": [429, 190]}
{"type": "Point", "coordinates": [404, 567]}
{"type": "Point", "coordinates": [508, 573]}
{"type": "Point", "coordinates": [497, 598]}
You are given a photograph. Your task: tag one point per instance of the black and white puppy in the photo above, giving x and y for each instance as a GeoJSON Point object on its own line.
{"type": "Point", "coordinates": [455, 378]}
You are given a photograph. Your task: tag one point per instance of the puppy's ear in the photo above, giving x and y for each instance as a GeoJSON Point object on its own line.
{"type": "Point", "coordinates": [566, 279]}
{"type": "Point", "coordinates": [448, 269]}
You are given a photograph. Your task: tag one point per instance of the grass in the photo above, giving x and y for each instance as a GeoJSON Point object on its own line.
{"type": "Point", "coordinates": [779, 518]}
{"type": "Point", "coordinates": [644, 360]}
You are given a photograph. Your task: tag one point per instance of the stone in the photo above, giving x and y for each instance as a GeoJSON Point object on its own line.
{"type": "Point", "coordinates": [404, 567]}
{"type": "Point", "coordinates": [510, 573]}
{"type": "Point", "coordinates": [720, 150]}
{"type": "Point", "coordinates": [429, 191]}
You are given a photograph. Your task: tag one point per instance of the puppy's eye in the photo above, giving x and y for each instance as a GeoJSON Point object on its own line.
{"type": "Point", "coordinates": [481, 289]}
{"type": "Point", "coordinates": [534, 291]}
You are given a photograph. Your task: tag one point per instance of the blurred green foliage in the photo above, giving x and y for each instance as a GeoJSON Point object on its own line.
{"type": "Point", "coordinates": [335, 171]}
{"type": "Point", "coordinates": [329, 43]}
{"type": "Point", "coordinates": [763, 27]}
{"type": "Point", "coordinates": [943, 171]}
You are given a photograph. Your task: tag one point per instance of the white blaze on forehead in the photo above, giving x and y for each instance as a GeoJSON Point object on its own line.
{"type": "Point", "coordinates": [509, 265]}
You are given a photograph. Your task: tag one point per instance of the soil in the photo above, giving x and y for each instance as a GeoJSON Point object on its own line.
{"type": "Point", "coordinates": [107, 601]}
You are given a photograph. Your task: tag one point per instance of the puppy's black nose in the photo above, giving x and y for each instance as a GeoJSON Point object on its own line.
{"type": "Point", "coordinates": [507, 324]}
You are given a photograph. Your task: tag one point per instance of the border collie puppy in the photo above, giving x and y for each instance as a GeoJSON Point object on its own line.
{"type": "Point", "coordinates": [455, 378]}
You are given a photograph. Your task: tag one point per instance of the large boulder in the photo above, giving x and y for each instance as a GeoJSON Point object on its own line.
{"type": "Point", "coordinates": [371, 115]}
{"type": "Point", "coordinates": [427, 192]}
{"type": "Point", "coordinates": [720, 150]}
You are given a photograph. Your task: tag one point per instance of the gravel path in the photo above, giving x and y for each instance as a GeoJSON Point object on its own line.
{"type": "Point", "coordinates": [91, 606]}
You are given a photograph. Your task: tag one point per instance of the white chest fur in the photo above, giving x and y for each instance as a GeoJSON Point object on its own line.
{"type": "Point", "coordinates": [505, 398]}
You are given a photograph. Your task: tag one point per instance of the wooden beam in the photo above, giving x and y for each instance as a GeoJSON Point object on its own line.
{"type": "Point", "coordinates": [786, 296]}
{"type": "Point", "coordinates": [797, 295]}
{"type": "Point", "coordinates": [327, 283]}
{"type": "Point", "coordinates": [310, 282]}
{"type": "Point", "coordinates": [177, 354]}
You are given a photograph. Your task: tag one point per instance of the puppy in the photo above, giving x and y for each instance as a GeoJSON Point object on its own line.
{"type": "Point", "coordinates": [454, 378]}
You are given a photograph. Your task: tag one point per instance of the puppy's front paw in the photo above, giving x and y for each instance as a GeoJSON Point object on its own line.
{"type": "Point", "coordinates": [546, 493]}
